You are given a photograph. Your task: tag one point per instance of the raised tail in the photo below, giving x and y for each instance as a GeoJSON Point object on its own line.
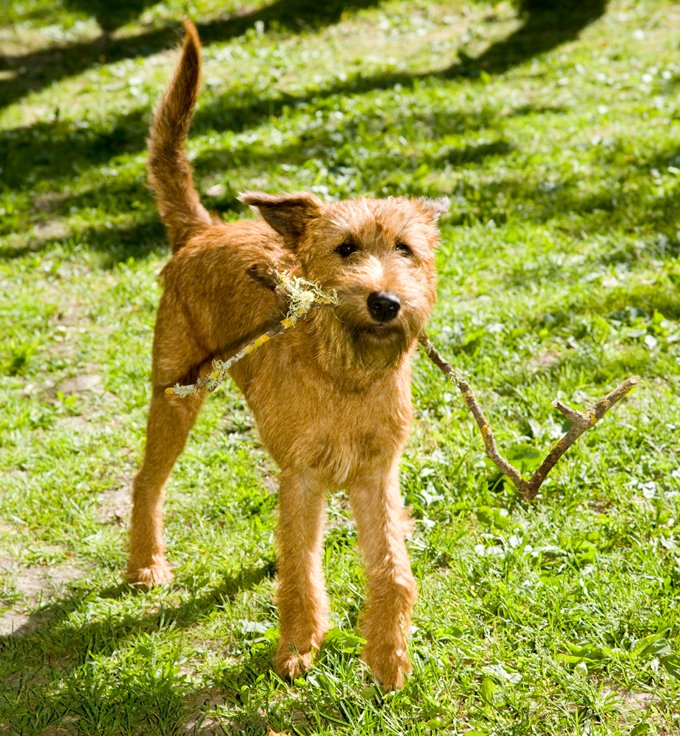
{"type": "Point", "coordinates": [170, 174]}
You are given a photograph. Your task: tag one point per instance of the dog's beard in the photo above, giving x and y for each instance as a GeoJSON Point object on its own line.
{"type": "Point", "coordinates": [355, 341]}
{"type": "Point", "coordinates": [377, 347]}
{"type": "Point", "coordinates": [371, 345]}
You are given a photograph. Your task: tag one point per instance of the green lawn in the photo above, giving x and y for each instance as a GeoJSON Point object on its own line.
{"type": "Point", "coordinates": [557, 138]}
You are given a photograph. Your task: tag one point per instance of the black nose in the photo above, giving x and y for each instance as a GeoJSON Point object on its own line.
{"type": "Point", "coordinates": [383, 305]}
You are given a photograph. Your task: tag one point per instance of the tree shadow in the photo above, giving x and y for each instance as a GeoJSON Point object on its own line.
{"type": "Point", "coordinates": [64, 150]}
{"type": "Point", "coordinates": [110, 15]}
{"type": "Point", "coordinates": [116, 196]}
{"type": "Point", "coordinates": [546, 25]}
{"type": "Point", "coordinates": [45, 145]}
{"type": "Point", "coordinates": [603, 203]}
{"type": "Point", "coordinates": [52, 644]}
{"type": "Point", "coordinates": [605, 206]}
{"type": "Point", "coordinates": [116, 243]}
{"type": "Point", "coordinates": [37, 69]}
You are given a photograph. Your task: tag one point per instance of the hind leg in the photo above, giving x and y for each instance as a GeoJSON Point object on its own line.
{"type": "Point", "coordinates": [175, 355]}
{"type": "Point", "coordinates": [170, 419]}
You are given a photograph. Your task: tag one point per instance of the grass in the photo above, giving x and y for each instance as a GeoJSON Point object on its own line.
{"type": "Point", "coordinates": [556, 136]}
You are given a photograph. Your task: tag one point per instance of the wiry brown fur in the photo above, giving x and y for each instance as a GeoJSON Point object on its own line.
{"type": "Point", "coordinates": [331, 398]}
{"type": "Point", "coordinates": [176, 197]}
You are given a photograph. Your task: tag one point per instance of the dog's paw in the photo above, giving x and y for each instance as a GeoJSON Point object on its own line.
{"type": "Point", "coordinates": [291, 664]}
{"type": "Point", "coordinates": [159, 573]}
{"type": "Point", "coordinates": [389, 666]}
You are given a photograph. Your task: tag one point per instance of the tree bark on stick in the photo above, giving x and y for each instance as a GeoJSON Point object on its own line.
{"type": "Point", "coordinates": [580, 423]}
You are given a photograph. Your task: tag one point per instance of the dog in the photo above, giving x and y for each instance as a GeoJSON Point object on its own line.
{"type": "Point", "coordinates": [331, 398]}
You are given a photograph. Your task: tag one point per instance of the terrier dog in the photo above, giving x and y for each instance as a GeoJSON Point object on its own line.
{"type": "Point", "coordinates": [331, 398]}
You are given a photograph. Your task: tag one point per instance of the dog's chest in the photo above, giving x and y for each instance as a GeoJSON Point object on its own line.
{"type": "Point", "coordinates": [311, 422]}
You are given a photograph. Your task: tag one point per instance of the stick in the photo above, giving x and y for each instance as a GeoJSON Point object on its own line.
{"type": "Point", "coordinates": [303, 296]}
{"type": "Point", "coordinates": [581, 422]}
{"type": "Point", "coordinates": [221, 367]}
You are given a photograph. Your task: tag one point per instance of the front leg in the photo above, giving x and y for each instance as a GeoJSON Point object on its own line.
{"type": "Point", "coordinates": [302, 599]}
{"type": "Point", "coordinates": [380, 519]}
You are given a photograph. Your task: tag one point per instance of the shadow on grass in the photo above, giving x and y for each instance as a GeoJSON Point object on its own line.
{"type": "Point", "coordinates": [110, 15]}
{"type": "Point", "coordinates": [52, 648]}
{"type": "Point", "coordinates": [61, 152]}
{"type": "Point", "coordinates": [37, 69]}
{"type": "Point", "coordinates": [602, 206]}
{"type": "Point", "coordinates": [66, 152]}
{"type": "Point", "coordinates": [46, 149]}
{"type": "Point", "coordinates": [605, 204]}
{"type": "Point", "coordinates": [115, 243]}
{"type": "Point", "coordinates": [545, 26]}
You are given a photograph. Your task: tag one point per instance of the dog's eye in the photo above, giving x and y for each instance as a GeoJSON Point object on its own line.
{"type": "Point", "coordinates": [346, 249]}
{"type": "Point", "coordinates": [404, 249]}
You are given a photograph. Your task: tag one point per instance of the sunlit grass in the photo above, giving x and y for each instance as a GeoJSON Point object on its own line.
{"type": "Point", "coordinates": [558, 277]}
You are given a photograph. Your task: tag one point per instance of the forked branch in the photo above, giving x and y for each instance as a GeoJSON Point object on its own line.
{"type": "Point", "coordinates": [580, 422]}
{"type": "Point", "coordinates": [303, 296]}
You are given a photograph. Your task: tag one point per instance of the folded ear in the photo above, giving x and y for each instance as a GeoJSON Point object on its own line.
{"type": "Point", "coordinates": [288, 214]}
{"type": "Point", "coordinates": [435, 207]}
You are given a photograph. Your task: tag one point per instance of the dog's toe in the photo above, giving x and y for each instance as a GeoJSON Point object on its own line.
{"type": "Point", "coordinates": [158, 573]}
{"type": "Point", "coordinates": [389, 667]}
{"type": "Point", "coordinates": [291, 664]}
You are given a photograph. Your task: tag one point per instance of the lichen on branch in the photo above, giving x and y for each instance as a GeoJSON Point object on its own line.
{"type": "Point", "coordinates": [302, 295]}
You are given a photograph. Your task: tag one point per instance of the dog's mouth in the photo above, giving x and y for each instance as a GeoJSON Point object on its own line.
{"type": "Point", "coordinates": [378, 332]}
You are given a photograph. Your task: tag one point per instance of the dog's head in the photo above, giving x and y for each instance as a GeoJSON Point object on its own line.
{"type": "Point", "coordinates": [377, 254]}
